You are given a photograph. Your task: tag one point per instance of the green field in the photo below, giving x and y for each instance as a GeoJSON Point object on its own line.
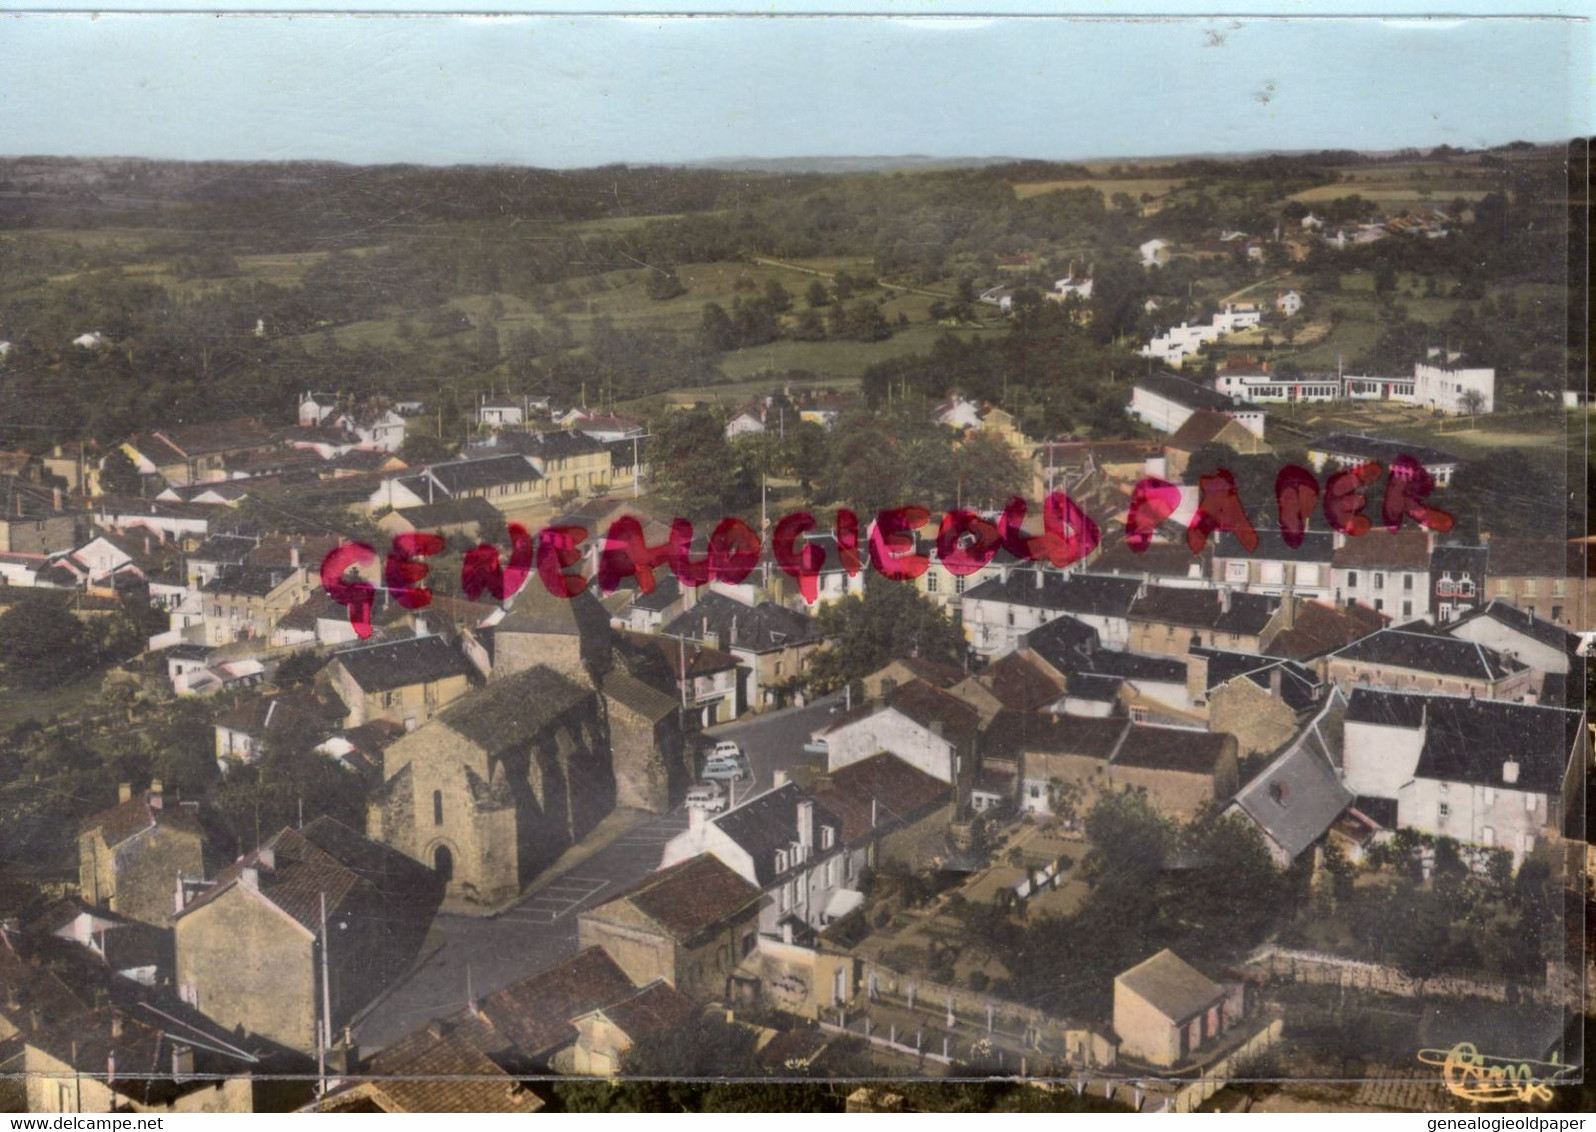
{"type": "Point", "coordinates": [1153, 186]}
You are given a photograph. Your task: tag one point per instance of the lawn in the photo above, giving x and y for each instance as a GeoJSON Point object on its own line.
{"type": "Point", "coordinates": [1153, 186]}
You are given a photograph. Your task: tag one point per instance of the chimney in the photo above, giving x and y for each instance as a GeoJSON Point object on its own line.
{"type": "Point", "coordinates": [249, 878]}
{"type": "Point", "coordinates": [182, 1061]}
{"type": "Point", "coordinates": [1274, 681]}
{"type": "Point", "coordinates": [1288, 611]}
{"type": "Point", "coordinates": [779, 778]}
{"type": "Point", "coordinates": [421, 626]}
{"type": "Point", "coordinates": [1039, 579]}
{"type": "Point", "coordinates": [695, 817]}
{"type": "Point", "coordinates": [806, 825]}
{"type": "Point", "coordinates": [1224, 599]}
{"type": "Point", "coordinates": [116, 1023]}
{"type": "Point", "coordinates": [110, 1058]}
{"type": "Point", "coordinates": [55, 497]}
{"type": "Point", "coordinates": [875, 807]}
{"type": "Point", "coordinates": [293, 557]}
{"type": "Point", "coordinates": [124, 791]}
{"type": "Point", "coordinates": [1510, 772]}
{"type": "Point", "coordinates": [267, 858]}
{"type": "Point", "coordinates": [1196, 677]}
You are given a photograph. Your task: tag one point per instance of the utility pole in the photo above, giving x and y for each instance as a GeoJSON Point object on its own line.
{"type": "Point", "coordinates": [324, 1039]}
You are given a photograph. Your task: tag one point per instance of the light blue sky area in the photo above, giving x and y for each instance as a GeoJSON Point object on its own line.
{"type": "Point", "coordinates": [582, 90]}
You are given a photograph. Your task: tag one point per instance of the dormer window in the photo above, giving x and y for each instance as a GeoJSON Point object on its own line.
{"type": "Point", "coordinates": [828, 837]}
{"type": "Point", "coordinates": [781, 860]}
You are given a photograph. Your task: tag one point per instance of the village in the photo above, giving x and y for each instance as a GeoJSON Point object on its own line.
{"type": "Point", "coordinates": [333, 790]}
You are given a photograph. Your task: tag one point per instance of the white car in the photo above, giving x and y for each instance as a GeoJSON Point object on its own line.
{"type": "Point", "coordinates": [727, 750]}
{"type": "Point", "coordinates": [707, 795]}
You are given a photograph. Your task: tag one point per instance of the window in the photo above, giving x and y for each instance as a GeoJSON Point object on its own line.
{"type": "Point", "coordinates": [1443, 811]}
{"type": "Point", "coordinates": [781, 898]}
{"type": "Point", "coordinates": [931, 581]}
{"type": "Point", "coordinates": [1407, 609]}
{"type": "Point", "coordinates": [1235, 571]}
{"type": "Point", "coordinates": [1531, 587]}
{"type": "Point", "coordinates": [1307, 574]}
{"type": "Point", "coordinates": [1445, 611]}
{"type": "Point", "coordinates": [781, 860]}
{"type": "Point", "coordinates": [437, 807]}
{"type": "Point", "coordinates": [1488, 796]}
{"type": "Point", "coordinates": [1352, 577]}
{"type": "Point", "coordinates": [1272, 573]}
{"type": "Point", "coordinates": [831, 873]}
{"type": "Point", "coordinates": [1529, 803]}
{"type": "Point", "coordinates": [958, 583]}
{"type": "Point", "coordinates": [1407, 583]}
{"type": "Point", "coordinates": [1378, 605]}
{"type": "Point", "coordinates": [1557, 613]}
{"type": "Point", "coordinates": [828, 837]}
{"type": "Point", "coordinates": [1379, 580]}
{"type": "Point", "coordinates": [1036, 791]}
{"type": "Point", "coordinates": [1011, 617]}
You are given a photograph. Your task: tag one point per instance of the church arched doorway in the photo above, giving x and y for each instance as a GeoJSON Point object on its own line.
{"type": "Point", "coordinates": [443, 863]}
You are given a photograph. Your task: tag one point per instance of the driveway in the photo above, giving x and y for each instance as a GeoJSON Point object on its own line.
{"type": "Point", "coordinates": [488, 952]}
{"type": "Point", "coordinates": [774, 740]}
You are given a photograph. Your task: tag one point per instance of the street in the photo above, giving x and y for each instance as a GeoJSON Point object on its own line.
{"type": "Point", "coordinates": [489, 952]}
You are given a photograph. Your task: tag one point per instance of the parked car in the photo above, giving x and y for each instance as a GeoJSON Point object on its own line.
{"type": "Point", "coordinates": [726, 748]}
{"type": "Point", "coordinates": [733, 767]}
{"type": "Point", "coordinates": [816, 746]}
{"type": "Point", "coordinates": [707, 795]}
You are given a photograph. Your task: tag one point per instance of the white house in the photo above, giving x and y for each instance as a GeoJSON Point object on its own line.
{"type": "Point", "coordinates": [377, 427]}
{"type": "Point", "coordinates": [1454, 391]}
{"type": "Point", "coordinates": [1521, 635]}
{"type": "Point", "coordinates": [928, 728]}
{"type": "Point", "coordinates": [744, 422]}
{"type": "Point", "coordinates": [1237, 316]}
{"type": "Point", "coordinates": [1485, 772]}
{"type": "Point", "coordinates": [1289, 304]}
{"type": "Point", "coordinates": [1154, 253]}
{"type": "Point", "coordinates": [315, 408]}
{"type": "Point", "coordinates": [1166, 401]}
{"type": "Point", "coordinates": [501, 414]}
{"type": "Point", "coordinates": [1071, 287]}
{"type": "Point", "coordinates": [999, 612]}
{"type": "Point", "coordinates": [957, 412]}
{"type": "Point", "coordinates": [92, 340]}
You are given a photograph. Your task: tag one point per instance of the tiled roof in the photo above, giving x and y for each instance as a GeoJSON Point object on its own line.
{"type": "Point", "coordinates": [1429, 652]}
{"type": "Point", "coordinates": [450, 512]}
{"type": "Point", "coordinates": [689, 898]}
{"type": "Point", "coordinates": [1172, 748]}
{"type": "Point", "coordinates": [295, 707]}
{"type": "Point", "coordinates": [636, 696]}
{"type": "Point", "coordinates": [141, 812]}
{"type": "Point", "coordinates": [1012, 733]}
{"type": "Point", "coordinates": [1394, 550]}
{"type": "Point", "coordinates": [491, 471]}
{"type": "Point", "coordinates": [1299, 687]}
{"type": "Point", "coordinates": [900, 792]}
{"type": "Point", "coordinates": [1020, 681]}
{"type": "Point", "coordinates": [1160, 559]}
{"type": "Point", "coordinates": [655, 1009]}
{"type": "Point", "coordinates": [555, 445]}
{"type": "Point", "coordinates": [1468, 739]}
{"type": "Point", "coordinates": [1320, 628]}
{"type": "Point", "coordinates": [510, 711]}
{"type": "Point", "coordinates": [535, 1013]}
{"type": "Point", "coordinates": [937, 673]}
{"type": "Point", "coordinates": [440, 1069]}
{"type": "Point", "coordinates": [1201, 427]}
{"type": "Point", "coordinates": [399, 664]}
{"type": "Point", "coordinates": [1173, 987]}
{"type": "Point", "coordinates": [1471, 560]}
{"type": "Point", "coordinates": [926, 705]}
{"type": "Point", "coordinates": [248, 581]}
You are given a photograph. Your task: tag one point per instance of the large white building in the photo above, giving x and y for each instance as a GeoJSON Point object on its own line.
{"type": "Point", "coordinates": [1166, 401]}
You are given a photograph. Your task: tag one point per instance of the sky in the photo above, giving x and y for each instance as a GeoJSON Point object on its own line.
{"type": "Point", "coordinates": [568, 91]}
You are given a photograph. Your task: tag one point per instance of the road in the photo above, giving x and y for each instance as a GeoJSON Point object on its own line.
{"type": "Point", "coordinates": [492, 951]}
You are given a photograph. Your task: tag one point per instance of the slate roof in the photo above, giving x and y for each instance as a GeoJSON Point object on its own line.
{"type": "Point", "coordinates": [1406, 549]}
{"type": "Point", "coordinates": [937, 673]}
{"type": "Point", "coordinates": [1012, 733]}
{"type": "Point", "coordinates": [1201, 427]}
{"type": "Point", "coordinates": [1520, 621]}
{"type": "Point", "coordinates": [248, 581]}
{"type": "Point", "coordinates": [636, 696]}
{"type": "Point", "coordinates": [450, 512]}
{"type": "Point", "coordinates": [555, 445]}
{"type": "Point", "coordinates": [691, 897]}
{"type": "Point", "coordinates": [257, 715]}
{"type": "Point", "coordinates": [1317, 546]}
{"type": "Point", "coordinates": [1063, 642]}
{"type": "Point", "coordinates": [1020, 681]}
{"type": "Point", "coordinates": [1095, 688]}
{"type": "Point", "coordinates": [399, 664]}
{"type": "Point", "coordinates": [1134, 666]}
{"type": "Point", "coordinates": [510, 711]}
{"type": "Point", "coordinates": [765, 627]}
{"type": "Point", "coordinates": [1204, 609]}
{"type": "Point", "coordinates": [1536, 558]}
{"type": "Point", "coordinates": [769, 822]}
{"type": "Point", "coordinates": [1172, 748]}
{"type": "Point", "coordinates": [534, 1013]}
{"type": "Point", "coordinates": [1429, 651]}
{"type": "Point", "coordinates": [141, 812]}
{"type": "Point", "coordinates": [490, 471]}
{"type": "Point", "coordinates": [926, 705]}
{"type": "Point", "coordinates": [1184, 391]}
{"type": "Point", "coordinates": [224, 548]}
{"type": "Point", "coordinates": [667, 591]}
{"type": "Point", "coordinates": [1378, 448]}
{"type": "Point", "coordinates": [900, 792]}
{"type": "Point", "coordinates": [1319, 628]}
{"type": "Point", "coordinates": [1075, 593]}
{"type": "Point", "coordinates": [1459, 560]}
{"type": "Point", "coordinates": [1160, 559]}
{"type": "Point", "coordinates": [1299, 687]}
{"type": "Point", "coordinates": [1173, 987]}
{"type": "Point", "coordinates": [1468, 740]}
{"type": "Point", "coordinates": [1298, 796]}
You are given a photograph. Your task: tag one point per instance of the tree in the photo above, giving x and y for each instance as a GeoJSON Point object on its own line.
{"type": "Point", "coordinates": [989, 472]}
{"type": "Point", "coordinates": [777, 296]}
{"type": "Point", "coordinates": [891, 620]}
{"type": "Point", "coordinates": [119, 475]}
{"type": "Point", "coordinates": [716, 333]}
{"type": "Point", "coordinates": [817, 296]}
{"type": "Point", "coordinates": [695, 471]}
{"type": "Point", "coordinates": [42, 645]}
{"type": "Point", "coordinates": [810, 327]}
{"type": "Point", "coordinates": [419, 448]}
{"type": "Point", "coordinates": [663, 284]}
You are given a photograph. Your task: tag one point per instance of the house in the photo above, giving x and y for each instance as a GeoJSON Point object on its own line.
{"type": "Point", "coordinates": [835, 581]}
{"type": "Point", "coordinates": [1389, 571]}
{"type": "Point", "coordinates": [113, 1059]}
{"type": "Point", "coordinates": [927, 728]}
{"type": "Point", "coordinates": [1297, 797]}
{"type": "Point", "coordinates": [33, 520]}
{"type": "Point", "coordinates": [1019, 681]}
{"type": "Point", "coordinates": [1255, 382]}
{"type": "Point", "coordinates": [1421, 659]}
{"type": "Point", "coordinates": [605, 1033]}
{"type": "Point", "coordinates": [999, 611]}
{"type": "Point", "coordinates": [1289, 303]}
{"type": "Point", "coordinates": [194, 453]}
{"type": "Point", "coordinates": [131, 856]}
{"type": "Point", "coordinates": [1182, 772]}
{"type": "Point", "coordinates": [1275, 567]}
{"type": "Point", "coordinates": [375, 426]}
{"type": "Point", "coordinates": [89, 340]}
{"type": "Point", "coordinates": [1516, 633]}
{"type": "Point", "coordinates": [1348, 450]}
{"type": "Point", "coordinates": [246, 602]}
{"type": "Point", "coordinates": [1170, 619]}
{"type": "Point", "coordinates": [571, 463]}
{"type": "Point", "coordinates": [407, 681]}
{"type": "Point", "coordinates": [502, 412]}
{"type": "Point", "coordinates": [1155, 253]}
{"type": "Point", "coordinates": [1261, 700]}
{"type": "Point", "coordinates": [503, 481]}
{"type": "Point", "coordinates": [1071, 286]}
{"type": "Point", "coordinates": [1457, 580]}
{"type": "Point", "coordinates": [1113, 681]}
{"type": "Point", "coordinates": [1543, 577]}
{"type": "Point", "coordinates": [890, 812]}
{"type": "Point", "coordinates": [1062, 759]}
{"type": "Point", "coordinates": [1207, 426]}
{"type": "Point", "coordinates": [646, 740]}
{"type": "Point", "coordinates": [315, 408]}
{"type": "Point", "coordinates": [708, 680]}
{"type": "Point", "coordinates": [746, 421]}
{"type": "Point", "coordinates": [1490, 774]}
{"type": "Point", "coordinates": [1165, 1010]}
{"type": "Point", "coordinates": [1167, 401]}
{"type": "Point", "coordinates": [245, 731]}
{"type": "Point", "coordinates": [1160, 563]}
{"type": "Point", "coordinates": [467, 517]}
{"type": "Point", "coordinates": [439, 1068]}
{"type": "Point", "coordinates": [901, 670]}
{"type": "Point", "coordinates": [608, 428]}
{"type": "Point", "coordinates": [308, 901]}
{"type": "Point", "coordinates": [786, 844]}
{"type": "Point", "coordinates": [1237, 316]}
{"type": "Point", "coordinates": [957, 413]}
{"type": "Point", "coordinates": [496, 785]}
{"type": "Point", "coordinates": [1308, 630]}
{"type": "Point", "coordinates": [32, 996]}
{"type": "Point", "coordinates": [688, 924]}
{"type": "Point", "coordinates": [138, 952]}
{"type": "Point", "coordinates": [1178, 343]}
{"type": "Point", "coordinates": [1447, 388]}
{"type": "Point", "coordinates": [772, 643]}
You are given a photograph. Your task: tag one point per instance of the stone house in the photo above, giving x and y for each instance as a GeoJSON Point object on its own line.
{"type": "Point", "coordinates": [1056, 755]}
{"type": "Point", "coordinates": [771, 643]}
{"type": "Point", "coordinates": [1421, 659]}
{"type": "Point", "coordinates": [1533, 641]}
{"type": "Point", "coordinates": [130, 857]}
{"type": "Point", "coordinates": [605, 1033]}
{"type": "Point", "coordinates": [1261, 700]}
{"type": "Point", "coordinates": [1388, 571]}
{"type": "Point", "coordinates": [1308, 630]}
{"type": "Point", "coordinates": [436, 1069]}
{"type": "Point", "coordinates": [407, 681]}
{"type": "Point", "coordinates": [249, 947]}
{"type": "Point", "coordinates": [903, 669]}
{"type": "Point", "coordinates": [494, 787]}
{"type": "Point", "coordinates": [1273, 567]}
{"type": "Point", "coordinates": [924, 726]}
{"type": "Point", "coordinates": [1165, 1010]}
{"type": "Point", "coordinates": [1545, 577]}
{"type": "Point", "coordinates": [689, 924]}
{"type": "Point", "coordinates": [1181, 771]}
{"type": "Point", "coordinates": [1297, 797]}
{"type": "Point", "coordinates": [1207, 426]}
{"type": "Point", "coordinates": [647, 745]}
{"type": "Point", "coordinates": [1169, 620]}
{"type": "Point", "coordinates": [1000, 611]}
{"type": "Point", "coordinates": [526, 1026]}
{"type": "Point", "coordinates": [33, 520]}
{"type": "Point", "coordinates": [890, 811]}
{"type": "Point", "coordinates": [243, 732]}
